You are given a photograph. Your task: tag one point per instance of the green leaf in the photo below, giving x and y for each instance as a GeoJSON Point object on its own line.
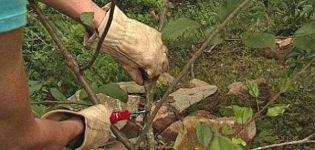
{"type": "Point", "coordinates": [34, 86]}
{"type": "Point", "coordinates": [252, 88]}
{"type": "Point", "coordinates": [227, 131]}
{"type": "Point", "coordinates": [222, 143]}
{"type": "Point", "coordinates": [113, 90]}
{"type": "Point", "coordinates": [304, 37]}
{"type": "Point", "coordinates": [176, 28]}
{"type": "Point", "coordinates": [39, 110]}
{"type": "Point", "coordinates": [261, 40]}
{"type": "Point", "coordinates": [227, 7]}
{"type": "Point", "coordinates": [204, 134]}
{"type": "Point", "coordinates": [57, 94]}
{"type": "Point", "coordinates": [87, 18]}
{"type": "Point", "coordinates": [277, 110]}
{"type": "Point", "coordinates": [83, 95]}
{"type": "Point", "coordinates": [239, 141]}
{"type": "Point", "coordinates": [242, 114]}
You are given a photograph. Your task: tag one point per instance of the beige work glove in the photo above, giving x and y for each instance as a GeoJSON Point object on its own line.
{"type": "Point", "coordinates": [135, 45]}
{"type": "Point", "coordinates": [97, 124]}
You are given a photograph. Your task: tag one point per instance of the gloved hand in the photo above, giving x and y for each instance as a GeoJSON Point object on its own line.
{"type": "Point", "coordinates": [133, 44]}
{"type": "Point", "coordinates": [96, 121]}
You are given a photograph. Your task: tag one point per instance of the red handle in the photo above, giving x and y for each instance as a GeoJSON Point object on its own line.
{"type": "Point", "coordinates": [120, 115]}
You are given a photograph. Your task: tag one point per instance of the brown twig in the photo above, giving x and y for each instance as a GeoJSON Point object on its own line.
{"type": "Point", "coordinates": [101, 40]}
{"type": "Point", "coordinates": [185, 70]}
{"type": "Point", "coordinates": [163, 15]}
{"type": "Point", "coordinates": [275, 97]}
{"type": "Point", "coordinates": [303, 141]}
{"type": "Point", "coordinates": [122, 138]}
{"type": "Point", "coordinates": [60, 103]}
{"type": "Point", "coordinates": [149, 87]}
{"type": "Point", "coordinates": [72, 63]}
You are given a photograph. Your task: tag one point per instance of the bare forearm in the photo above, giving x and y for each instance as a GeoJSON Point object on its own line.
{"type": "Point", "coordinates": [73, 9]}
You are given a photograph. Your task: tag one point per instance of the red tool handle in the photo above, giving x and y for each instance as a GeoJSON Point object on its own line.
{"type": "Point", "coordinates": [119, 115]}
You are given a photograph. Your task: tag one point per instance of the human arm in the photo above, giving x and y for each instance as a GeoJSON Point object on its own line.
{"type": "Point", "coordinates": [137, 47]}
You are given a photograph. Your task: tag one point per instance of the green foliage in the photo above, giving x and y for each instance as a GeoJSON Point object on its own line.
{"type": "Point", "coordinates": [46, 65]}
{"type": "Point", "coordinates": [288, 15]}
{"type": "Point", "coordinates": [218, 142]}
{"type": "Point", "coordinates": [204, 134]}
{"type": "Point", "coordinates": [242, 114]}
{"type": "Point", "coordinates": [261, 40]}
{"type": "Point", "coordinates": [176, 28]}
{"type": "Point", "coordinates": [222, 143]}
{"type": "Point", "coordinates": [113, 90]}
{"type": "Point", "coordinates": [304, 37]}
{"type": "Point", "coordinates": [87, 18]}
{"type": "Point", "coordinates": [277, 110]}
{"type": "Point", "coordinates": [238, 141]}
{"type": "Point", "coordinates": [34, 86]}
{"type": "Point", "coordinates": [57, 94]}
{"type": "Point", "coordinates": [227, 131]}
{"type": "Point", "coordinates": [39, 110]}
{"type": "Point", "coordinates": [252, 88]}
{"type": "Point", "coordinates": [227, 8]}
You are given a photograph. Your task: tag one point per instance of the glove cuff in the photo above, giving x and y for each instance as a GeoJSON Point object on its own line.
{"type": "Point", "coordinates": [96, 121]}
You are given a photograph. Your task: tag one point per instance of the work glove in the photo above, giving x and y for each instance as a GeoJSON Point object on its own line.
{"type": "Point", "coordinates": [134, 45]}
{"type": "Point", "coordinates": [96, 121]}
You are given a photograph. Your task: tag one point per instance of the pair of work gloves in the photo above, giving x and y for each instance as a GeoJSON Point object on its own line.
{"type": "Point", "coordinates": [137, 47]}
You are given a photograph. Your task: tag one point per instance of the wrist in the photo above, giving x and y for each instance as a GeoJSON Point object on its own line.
{"type": "Point", "coordinates": [76, 126]}
{"type": "Point", "coordinates": [98, 18]}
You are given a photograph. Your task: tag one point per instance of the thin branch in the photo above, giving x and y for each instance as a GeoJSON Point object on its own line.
{"type": "Point", "coordinates": [303, 141]}
{"type": "Point", "coordinates": [60, 103]}
{"type": "Point", "coordinates": [72, 63]}
{"type": "Point", "coordinates": [185, 70]}
{"type": "Point", "coordinates": [101, 40]}
{"type": "Point", "coordinates": [192, 73]}
{"type": "Point", "coordinates": [275, 97]}
{"type": "Point", "coordinates": [121, 137]}
{"type": "Point", "coordinates": [163, 15]}
{"type": "Point", "coordinates": [149, 87]}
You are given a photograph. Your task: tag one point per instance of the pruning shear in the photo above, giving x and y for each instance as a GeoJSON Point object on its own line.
{"type": "Point", "coordinates": [125, 115]}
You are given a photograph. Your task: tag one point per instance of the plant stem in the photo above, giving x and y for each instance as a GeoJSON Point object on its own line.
{"type": "Point", "coordinates": [163, 15]}
{"type": "Point", "coordinates": [149, 86]}
{"type": "Point", "coordinates": [303, 141]}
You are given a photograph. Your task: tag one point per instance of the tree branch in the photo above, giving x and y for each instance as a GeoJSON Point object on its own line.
{"type": "Point", "coordinates": [185, 70]}
{"type": "Point", "coordinates": [101, 40]}
{"type": "Point", "coordinates": [72, 63]}
{"type": "Point", "coordinates": [149, 87]}
{"type": "Point", "coordinates": [163, 15]}
{"type": "Point", "coordinates": [303, 141]}
{"type": "Point", "coordinates": [121, 137]}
